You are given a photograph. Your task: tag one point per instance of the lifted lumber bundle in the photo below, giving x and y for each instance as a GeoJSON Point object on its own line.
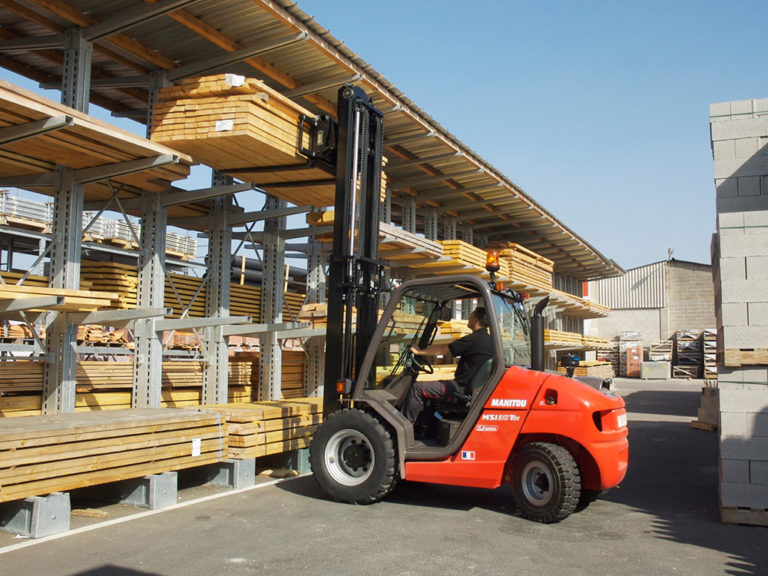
{"type": "Point", "coordinates": [243, 127]}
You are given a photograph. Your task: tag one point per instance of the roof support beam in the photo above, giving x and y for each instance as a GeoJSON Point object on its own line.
{"type": "Point", "coordinates": [316, 87]}
{"type": "Point", "coordinates": [444, 194]}
{"type": "Point", "coordinates": [131, 17]}
{"type": "Point", "coordinates": [209, 64]}
{"type": "Point", "coordinates": [395, 166]}
{"type": "Point", "coordinates": [397, 141]}
{"type": "Point", "coordinates": [421, 180]}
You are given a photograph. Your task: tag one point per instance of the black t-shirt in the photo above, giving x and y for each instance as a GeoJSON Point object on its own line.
{"type": "Point", "coordinates": [472, 349]}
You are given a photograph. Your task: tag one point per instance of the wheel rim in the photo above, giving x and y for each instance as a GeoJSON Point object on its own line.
{"type": "Point", "coordinates": [349, 457]}
{"type": "Point", "coordinates": [538, 484]}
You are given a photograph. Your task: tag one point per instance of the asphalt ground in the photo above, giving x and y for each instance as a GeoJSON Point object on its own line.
{"type": "Point", "coordinates": [663, 519]}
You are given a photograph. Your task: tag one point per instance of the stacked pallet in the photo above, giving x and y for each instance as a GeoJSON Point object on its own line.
{"type": "Point", "coordinates": [687, 354]}
{"type": "Point", "coordinates": [610, 353]}
{"type": "Point", "coordinates": [264, 428]}
{"type": "Point", "coordinates": [240, 125]}
{"type": "Point", "coordinates": [660, 351]}
{"type": "Point", "coordinates": [709, 353]}
{"type": "Point", "coordinates": [44, 454]}
{"type": "Point", "coordinates": [107, 385]}
{"type": "Point", "coordinates": [525, 266]}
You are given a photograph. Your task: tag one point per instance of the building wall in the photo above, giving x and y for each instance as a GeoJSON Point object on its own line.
{"type": "Point", "coordinates": [657, 300]}
{"type": "Point", "coordinates": [690, 298]}
{"type": "Point", "coordinates": [644, 321]}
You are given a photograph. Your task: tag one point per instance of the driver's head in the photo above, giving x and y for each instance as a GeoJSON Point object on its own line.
{"type": "Point", "coordinates": [478, 319]}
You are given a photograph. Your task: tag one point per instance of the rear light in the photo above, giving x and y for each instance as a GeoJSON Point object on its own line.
{"type": "Point", "coordinates": [610, 419]}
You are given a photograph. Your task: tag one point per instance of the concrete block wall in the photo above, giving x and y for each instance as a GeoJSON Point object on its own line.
{"type": "Point", "coordinates": [740, 277]}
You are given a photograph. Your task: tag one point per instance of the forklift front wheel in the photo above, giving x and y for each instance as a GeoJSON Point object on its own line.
{"type": "Point", "coordinates": [546, 482]}
{"type": "Point", "coordinates": [353, 457]}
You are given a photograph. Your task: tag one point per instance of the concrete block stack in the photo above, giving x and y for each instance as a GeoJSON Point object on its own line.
{"type": "Point", "coordinates": [740, 272]}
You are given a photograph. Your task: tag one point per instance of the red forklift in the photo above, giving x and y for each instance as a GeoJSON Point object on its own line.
{"type": "Point", "coordinates": [559, 442]}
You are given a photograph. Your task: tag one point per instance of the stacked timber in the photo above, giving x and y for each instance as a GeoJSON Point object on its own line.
{"type": "Point", "coordinates": [454, 328]}
{"type": "Point", "coordinates": [525, 266]}
{"type": "Point", "coordinates": [44, 454]}
{"type": "Point", "coordinates": [403, 248]}
{"type": "Point", "coordinates": [458, 257]}
{"type": "Point", "coordinates": [397, 246]}
{"type": "Point", "coordinates": [291, 372]}
{"type": "Point", "coordinates": [559, 337]}
{"type": "Point", "coordinates": [265, 428]}
{"type": "Point", "coordinates": [68, 300]}
{"type": "Point", "coordinates": [595, 342]}
{"type": "Point", "coordinates": [107, 385]}
{"type": "Point", "coordinates": [242, 126]}
{"type": "Point", "coordinates": [123, 280]}
{"type": "Point", "coordinates": [591, 368]}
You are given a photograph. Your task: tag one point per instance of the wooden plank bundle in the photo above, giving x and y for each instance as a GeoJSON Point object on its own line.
{"type": "Point", "coordinates": [44, 454]}
{"type": "Point", "coordinates": [231, 122]}
{"type": "Point", "coordinates": [72, 300]}
{"type": "Point", "coordinates": [85, 143]}
{"type": "Point", "coordinates": [591, 368]}
{"type": "Point", "coordinates": [524, 265]}
{"type": "Point", "coordinates": [291, 371]}
{"type": "Point", "coordinates": [560, 337]}
{"type": "Point", "coordinates": [263, 428]}
{"type": "Point", "coordinates": [107, 385]}
{"type": "Point", "coordinates": [123, 280]}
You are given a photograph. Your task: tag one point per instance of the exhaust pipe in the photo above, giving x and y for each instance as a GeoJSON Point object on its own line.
{"type": "Point", "coordinates": [537, 335]}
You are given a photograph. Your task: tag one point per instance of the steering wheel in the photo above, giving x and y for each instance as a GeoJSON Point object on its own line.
{"type": "Point", "coordinates": [420, 363]}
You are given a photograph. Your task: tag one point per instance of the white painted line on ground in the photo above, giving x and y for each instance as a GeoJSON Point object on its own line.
{"type": "Point", "coordinates": [144, 514]}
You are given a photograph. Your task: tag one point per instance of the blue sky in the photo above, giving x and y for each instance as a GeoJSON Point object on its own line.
{"type": "Point", "coordinates": [599, 110]}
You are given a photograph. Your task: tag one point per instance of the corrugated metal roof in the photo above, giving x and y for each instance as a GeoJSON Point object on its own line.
{"type": "Point", "coordinates": [184, 39]}
{"type": "Point", "coordinates": [639, 288]}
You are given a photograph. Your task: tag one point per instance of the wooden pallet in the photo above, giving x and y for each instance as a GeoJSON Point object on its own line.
{"type": "Point", "coordinates": [749, 516]}
{"type": "Point", "coordinates": [743, 357]}
{"type": "Point", "coordinates": [46, 454]}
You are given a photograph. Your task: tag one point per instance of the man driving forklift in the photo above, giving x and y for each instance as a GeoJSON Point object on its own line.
{"type": "Point", "coordinates": [473, 350]}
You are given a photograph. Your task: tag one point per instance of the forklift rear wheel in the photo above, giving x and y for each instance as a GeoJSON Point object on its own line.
{"type": "Point", "coordinates": [546, 482]}
{"type": "Point", "coordinates": [353, 457]}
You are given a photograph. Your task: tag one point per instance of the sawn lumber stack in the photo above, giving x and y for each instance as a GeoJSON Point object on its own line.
{"type": "Point", "coordinates": [44, 454]}
{"type": "Point", "coordinates": [241, 126]}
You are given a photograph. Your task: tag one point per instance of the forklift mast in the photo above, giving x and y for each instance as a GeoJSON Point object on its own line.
{"type": "Point", "coordinates": [355, 273]}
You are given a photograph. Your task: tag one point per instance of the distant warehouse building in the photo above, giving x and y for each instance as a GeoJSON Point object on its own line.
{"type": "Point", "coordinates": [656, 300]}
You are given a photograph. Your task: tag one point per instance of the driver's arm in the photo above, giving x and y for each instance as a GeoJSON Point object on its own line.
{"type": "Point", "coordinates": [433, 350]}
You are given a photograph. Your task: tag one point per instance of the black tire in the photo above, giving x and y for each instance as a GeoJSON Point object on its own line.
{"type": "Point", "coordinates": [546, 482]}
{"type": "Point", "coordinates": [353, 457]}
